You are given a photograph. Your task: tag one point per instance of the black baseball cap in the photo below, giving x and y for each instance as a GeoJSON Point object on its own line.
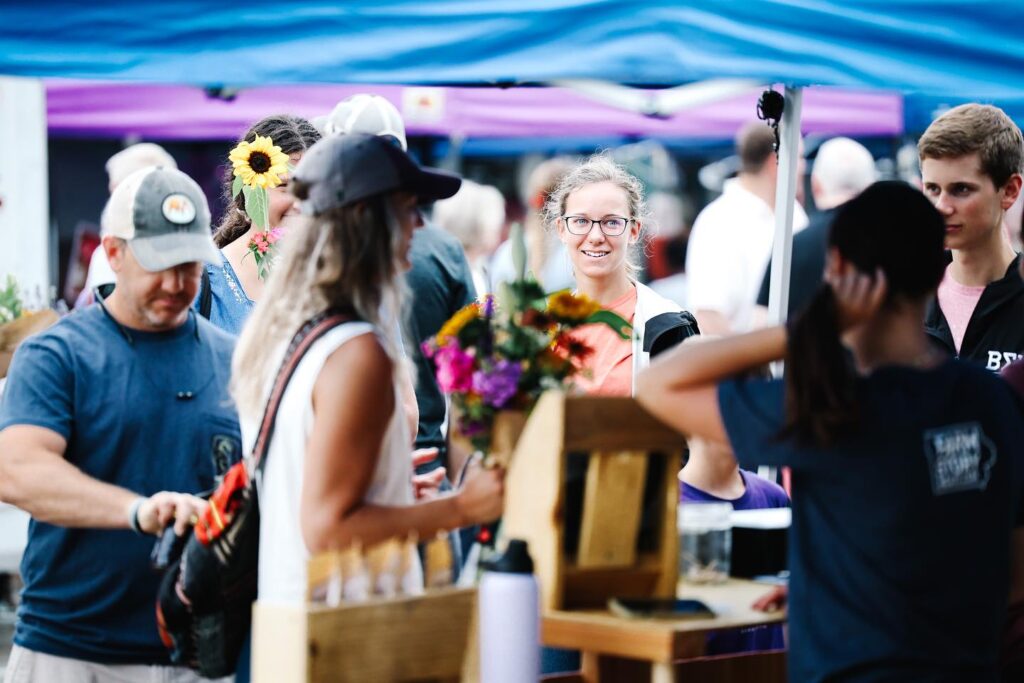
{"type": "Point", "coordinates": [345, 169]}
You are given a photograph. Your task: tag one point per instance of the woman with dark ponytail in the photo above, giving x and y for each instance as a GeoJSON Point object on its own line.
{"type": "Point", "coordinates": [230, 290]}
{"type": "Point", "coordinates": [907, 467]}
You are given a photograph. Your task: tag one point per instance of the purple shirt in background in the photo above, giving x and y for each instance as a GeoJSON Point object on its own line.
{"type": "Point", "coordinates": [759, 494]}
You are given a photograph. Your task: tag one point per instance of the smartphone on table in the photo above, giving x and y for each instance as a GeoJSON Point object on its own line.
{"type": "Point", "coordinates": [659, 608]}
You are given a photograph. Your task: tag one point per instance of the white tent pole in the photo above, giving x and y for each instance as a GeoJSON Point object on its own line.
{"type": "Point", "coordinates": [782, 245]}
{"type": "Point", "coordinates": [785, 197]}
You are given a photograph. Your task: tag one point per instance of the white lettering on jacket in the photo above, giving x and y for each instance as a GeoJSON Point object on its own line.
{"type": "Point", "coordinates": [998, 359]}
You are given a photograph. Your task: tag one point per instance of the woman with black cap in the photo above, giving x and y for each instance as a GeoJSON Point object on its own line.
{"type": "Point", "coordinates": [907, 467]}
{"type": "Point", "coordinates": [338, 469]}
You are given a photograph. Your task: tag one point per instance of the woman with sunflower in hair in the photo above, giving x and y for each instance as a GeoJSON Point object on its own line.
{"type": "Point", "coordinates": [262, 160]}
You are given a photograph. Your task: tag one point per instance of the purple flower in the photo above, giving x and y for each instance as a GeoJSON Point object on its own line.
{"type": "Point", "coordinates": [454, 369]}
{"type": "Point", "coordinates": [498, 383]}
{"type": "Point", "coordinates": [470, 428]}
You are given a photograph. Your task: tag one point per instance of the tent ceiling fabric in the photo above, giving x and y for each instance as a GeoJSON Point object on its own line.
{"type": "Point", "coordinates": [98, 109]}
{"type": "Point", "coordinates": [934, 47]}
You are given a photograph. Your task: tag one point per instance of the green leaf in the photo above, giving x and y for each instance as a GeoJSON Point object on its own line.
{"type": "Point", "coordinates": [256, 205]}
{"type": "Point", "coordinates": [236, 186]}
{"type": "Point", "coordinates": [619, 324]}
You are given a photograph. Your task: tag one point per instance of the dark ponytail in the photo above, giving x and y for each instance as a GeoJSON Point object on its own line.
{"type": "Point", "coordinates": [292, 134]}
{"type": "Point", "coordinates": [821, 400]}
{"type": "Point", "coordinates": [891, 226]}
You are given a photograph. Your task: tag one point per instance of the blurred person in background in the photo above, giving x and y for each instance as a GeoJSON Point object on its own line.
{"type": "Point", "coordinates": [673, 287]}
{"type": "Point", "coordinates": [548, 261]}
{"type": "Point", "coordinates": [119, 167]}
{"type": "Point", "coordinates": [731, 240]}
{"type": "Point", "coordinates": [475, 216]}
{"type": "Point", "coordinates": [843, 168]}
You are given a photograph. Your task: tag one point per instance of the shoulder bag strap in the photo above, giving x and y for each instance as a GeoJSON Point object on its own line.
{"type": "Point", "coordinates": [312, 330]}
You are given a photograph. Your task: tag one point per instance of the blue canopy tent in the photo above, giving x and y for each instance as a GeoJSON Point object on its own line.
{"type": "Point", "coordinates": [933, 51]}
{"type": "Point", "coordinates": [935, 48]}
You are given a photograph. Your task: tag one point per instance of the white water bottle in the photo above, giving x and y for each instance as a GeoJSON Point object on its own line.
{"type": "Point", "coordinates": [509, 618]}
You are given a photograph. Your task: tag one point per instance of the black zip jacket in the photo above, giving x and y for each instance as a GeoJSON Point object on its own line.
{"type": "Point", "coordinates": [995, 332]}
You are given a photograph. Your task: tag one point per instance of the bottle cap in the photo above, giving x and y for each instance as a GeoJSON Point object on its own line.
{"type": "Point", "coordinates": [515, 560]}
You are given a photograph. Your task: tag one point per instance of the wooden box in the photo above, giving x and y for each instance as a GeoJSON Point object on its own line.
{"type": "Point", "coordinates": [421, 638]}
{"type": "Point", "coordinates": [616, 536]}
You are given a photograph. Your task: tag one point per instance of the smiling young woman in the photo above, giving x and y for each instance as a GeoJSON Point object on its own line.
{"type": "Point", "coordinates": [599, 213]}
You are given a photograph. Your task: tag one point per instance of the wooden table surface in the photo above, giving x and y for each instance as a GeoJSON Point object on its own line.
{"type": "Point", "coordinates": [601, 634]}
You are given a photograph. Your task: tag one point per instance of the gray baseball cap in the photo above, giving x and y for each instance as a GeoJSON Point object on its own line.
{"type": "Point", "coordinates": [345, 169]}
{"type": "Point", "coordinates": [164, 217]}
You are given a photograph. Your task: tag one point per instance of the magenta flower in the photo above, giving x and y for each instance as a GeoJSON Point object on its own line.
{"type": "Point", "coordinates": [454, 369]}
{"type": "Point", "coordinates": [498, 383]}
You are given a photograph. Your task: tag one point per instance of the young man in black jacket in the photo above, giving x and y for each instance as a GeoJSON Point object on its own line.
{"type": "Point", "coordinates": [971, 160]}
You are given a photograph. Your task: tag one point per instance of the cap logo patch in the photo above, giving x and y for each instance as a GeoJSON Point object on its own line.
{"type": "Point", "coordinates": [179, 209]}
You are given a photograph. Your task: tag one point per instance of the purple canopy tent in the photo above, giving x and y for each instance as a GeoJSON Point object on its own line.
{"type": "Point", "coordinates": [169, 112]}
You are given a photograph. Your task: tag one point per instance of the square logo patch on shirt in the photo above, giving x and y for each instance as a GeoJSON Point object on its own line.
{"type": "Point", "coordinates": [960, 458]}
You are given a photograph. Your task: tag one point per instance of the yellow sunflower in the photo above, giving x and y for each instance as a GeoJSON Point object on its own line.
{"type": "Point", "coordinates": [455, 324]}
{"type": "Point", "coordinates": [259, 163]}
{"type": "Point", "coordinates": [568, 306]}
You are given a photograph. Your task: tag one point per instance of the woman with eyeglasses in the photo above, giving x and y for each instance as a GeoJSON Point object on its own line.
{"type": "Point", "coordinates": [599, 212]}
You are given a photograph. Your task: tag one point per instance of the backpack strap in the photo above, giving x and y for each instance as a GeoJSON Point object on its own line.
{"type": "Point", "coordinates": [312, 330]}
{"type": "Point", "coordinates": [205, 295]}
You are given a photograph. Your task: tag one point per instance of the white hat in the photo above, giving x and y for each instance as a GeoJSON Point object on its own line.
{"type": "Point", "coordinates": [365, 113]}
{"type": "Point", "coordinates": [164, 217]}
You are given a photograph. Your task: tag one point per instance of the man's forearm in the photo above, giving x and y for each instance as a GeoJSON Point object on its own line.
{"type": "Point", "coordinates": [53, 490]}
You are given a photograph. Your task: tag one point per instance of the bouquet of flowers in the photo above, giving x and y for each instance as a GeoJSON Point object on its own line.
{"type": "Point", "coordinates": [502, 354]}
{"type": "Point", "coordinates": [257, 167]}
{"type": "Point", "coordinates": [10, 301]}
{"type": "Point", "coordinates": [18, 322]}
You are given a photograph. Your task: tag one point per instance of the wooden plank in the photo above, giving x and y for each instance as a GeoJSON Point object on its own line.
{"type": "Point", "coordinates": [404, 639]}
{"type": "Point", "coordinates": [612, 503]}
{"type": "Point", "coordinates": [763, 667]}
{"type": "Point", "coordinates": [597, 633]}
{"type": "Point", "coordinates": [279, 643]}
{"type": "Point", "coordinates": [669, 545]}
{"type": "Point", "coordinates": [595, 423]}
{"type": "Point", "coordinates": [591, 588]}
{"type": "Point", "coordinates": [534, 493]}
{"type": "Point", "coordinates": [659, 639]}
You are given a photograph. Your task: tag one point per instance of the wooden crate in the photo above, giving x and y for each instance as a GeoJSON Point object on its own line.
{"type": "Point", "coordinates": [623, 444]}
{"type": "Point", "coordinates": [422, 638]}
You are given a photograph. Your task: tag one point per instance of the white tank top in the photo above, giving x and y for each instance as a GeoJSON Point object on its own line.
{"type": "Point", "coordinates": [283, 554]}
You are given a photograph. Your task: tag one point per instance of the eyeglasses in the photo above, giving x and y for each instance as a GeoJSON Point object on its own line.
{"type": "Point", "coordinates": [611, 226]}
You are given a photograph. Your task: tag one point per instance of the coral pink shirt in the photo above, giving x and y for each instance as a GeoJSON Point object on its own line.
{"type": "Point", "coordinates": [610, 367]}
{"type": "Point", "coordinates": [957, 302]}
